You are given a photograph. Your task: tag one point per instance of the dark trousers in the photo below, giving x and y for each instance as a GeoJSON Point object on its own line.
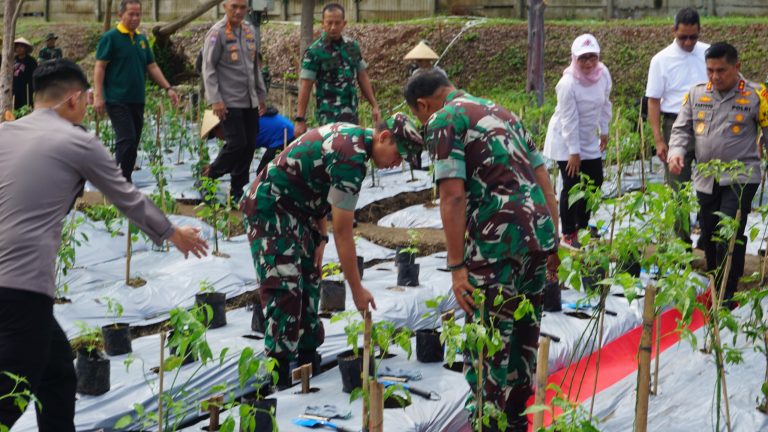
{"type": "Point", "coordinates": [576, 217]}
{"type": "Point", "coordinates": [725, 199]}
{"type": "Point", "coordinates": [32, 345]}
{"type": "Point", "coordinates": [240, 129]}
{"type": "Point", "coordinates": [128, 121]}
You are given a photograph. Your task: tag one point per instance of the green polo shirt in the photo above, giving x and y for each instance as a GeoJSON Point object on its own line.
{"type": "Point", "coordinates": [128, 56]}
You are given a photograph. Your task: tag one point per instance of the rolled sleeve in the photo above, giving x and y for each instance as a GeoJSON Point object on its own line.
{"type": "Point", "coordinates": [362, 65]}
{"type": "Point", "coordinates": [341, 199]}
{"type": "Point", "coordinates": [450, 168]}
{"type": "Point", "coordinates": [309, 66]}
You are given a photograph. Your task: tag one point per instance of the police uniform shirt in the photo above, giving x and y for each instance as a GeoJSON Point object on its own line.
{"type": "Point", "coordinates": [229, 74]}
{"type": "Point", "coordinates": [673, 71]}
{"type": "Point", "coordinates": [725, 127]}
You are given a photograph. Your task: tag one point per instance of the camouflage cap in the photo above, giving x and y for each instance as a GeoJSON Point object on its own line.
{"type": "Point", "coordinates": [406, 136]}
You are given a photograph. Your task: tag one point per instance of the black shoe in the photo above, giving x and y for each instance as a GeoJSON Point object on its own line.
{"type": "Point", "coordinates": [312, 357]}
{"type": "Point", "coordinates": [284, 379]}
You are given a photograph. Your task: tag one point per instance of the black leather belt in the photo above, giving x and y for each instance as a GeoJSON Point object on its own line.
{"type": "Point", "coordinates": [669, 115]}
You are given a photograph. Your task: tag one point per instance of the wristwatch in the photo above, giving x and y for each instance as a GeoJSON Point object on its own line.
{"type": "Point", "coordinates": [299, 119]}
{"type": "Point", "coordinates": [324, 238]}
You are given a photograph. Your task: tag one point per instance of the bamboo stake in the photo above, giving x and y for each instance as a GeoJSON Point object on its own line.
{"type": "Point", "coordinates": [603, 294]}
{"type": "Point", "coordinates": [366, 366]}
{"type": "Point", "coordinates": [728, 263]}
{"type": "Point", "coordinates": [644, 357]}
{"type": "Point", "coordinates": [214, 408]}
{"type": "Point", "coordinates": [655, 390]}
{"type": "Point", "coordinates": [376, 422]}
{"type": "Point", "coordinates": [542, 369]}
{"type": "Point", "coordinates": [128, 255]}
{"type": "Point", "coordinates": [642, 152]}
{"type": "Point", "coordinates": [285, 138]}
{"type": "Point", "coordinates": [480, 378]}
{"type": "Point", "coordinates": [160, 390]}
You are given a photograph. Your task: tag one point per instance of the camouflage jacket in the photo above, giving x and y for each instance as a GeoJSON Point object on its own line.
{"type": "Point", "coordinates": [486, 146]}
{"type": "Point", "coordinates": [334, 67]}
{"type": "Point", "coordinates": [325, 166]}
{"type": "Point", "coordinates": [49, 54]}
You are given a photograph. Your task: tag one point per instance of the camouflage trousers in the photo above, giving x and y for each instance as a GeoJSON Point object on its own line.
{"type": "Point", "coordinates": [283, 255]}
{"type": "Point", "coordinates": [508, 375]}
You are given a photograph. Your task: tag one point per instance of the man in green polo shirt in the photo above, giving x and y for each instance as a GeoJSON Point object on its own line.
{"type": "Point", "coordinates": [123, 60]}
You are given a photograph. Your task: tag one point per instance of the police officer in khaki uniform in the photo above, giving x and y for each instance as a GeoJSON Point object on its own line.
{"type": "Point", "coordinates": [722, 116]}
{"type": "Point", "coordinates": [235, 90]}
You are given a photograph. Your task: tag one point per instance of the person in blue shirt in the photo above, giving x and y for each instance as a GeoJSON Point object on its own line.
{"type": "Point", "coordinates": [271, 135]}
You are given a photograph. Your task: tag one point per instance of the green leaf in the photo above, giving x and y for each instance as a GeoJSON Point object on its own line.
{"type": "Point", "coordinates": [124, 421]}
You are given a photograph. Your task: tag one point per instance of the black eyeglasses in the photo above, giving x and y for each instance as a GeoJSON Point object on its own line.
{"type": "Point", "coordinates": [688, 37]}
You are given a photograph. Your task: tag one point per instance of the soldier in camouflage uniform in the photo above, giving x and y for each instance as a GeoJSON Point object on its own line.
{"type": "Point", "coordinates": [335, 63]}
{"type": "Point", "coordinates": [489, 170]}
{"type": "Point", "coordinates": [286, 208]}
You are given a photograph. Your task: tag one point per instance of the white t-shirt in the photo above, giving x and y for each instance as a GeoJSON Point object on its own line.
{"type": "Point", "coordinates": [581, 115]}
{"type": "Point", "coordinates": [673, 72]}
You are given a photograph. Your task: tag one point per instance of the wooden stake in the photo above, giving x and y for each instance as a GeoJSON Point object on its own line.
{"type": "Point", "coordinates": [285, 138]}
{"type": "Point", "coordinates": [644, 358]}
{"type": "Point", "coordinates": [160, 390]}
{"type": "Point", "coordinates": [376, 422]}
{"type": "Point", "coordinates": [128, 255]}
{"type": "Point", "coordinates": [642, 152]}
{"type": "Point", "coordinates": [480, 379]}
{"type": "Point", "coordinates": [599, 348]}
{"type": "Point", "coordinates": [542, 369]}
{"type": "Point", "coordinates": [658, 353]}
{"type": "Point", "coordinates": [214, 408]}
{"type": "Point", "coordinates": [727, 270]}
{"type": "Point", "coordinates": [366, 366]}
{"type": "Point", "coordinates": [302, 373]}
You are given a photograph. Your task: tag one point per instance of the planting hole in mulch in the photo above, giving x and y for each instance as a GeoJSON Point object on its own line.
{"type": "Point", "coordinates": [396, 401]}
{"type": "Point", "coordinates": [457, 366]}
{"type": "Point", "coordinates": [311, 390]}
{"type": "Point", "coordinates": [325, 314]}
{"type": "Point", "coordinates": [396, 288]}
{"type": "Point", "coordinates": [61, 300]}
{"type": "Point", "coordinates": [386, 355]}
{"type": "Point", "coordinates": [136, 282]}
{"type": "Point", "coordinates": [579, 315]}
{"type": "Point", "coordinates": [254, 336]}
{"type": "Point", "coordinates": [221, 254]}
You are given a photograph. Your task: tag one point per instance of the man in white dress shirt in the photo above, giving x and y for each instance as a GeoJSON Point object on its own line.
{"type": "Point", "coordinates": [674, 70]}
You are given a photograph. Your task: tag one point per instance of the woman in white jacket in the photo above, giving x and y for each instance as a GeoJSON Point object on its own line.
{"type": "Point", "coordinates": [578, 130]}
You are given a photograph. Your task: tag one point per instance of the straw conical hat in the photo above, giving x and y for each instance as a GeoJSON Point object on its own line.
{"type": "Point", "coordinates": [421, 52]}
{"type": "Point", "coordinates": [23, 41]}
{"type": "Point", "coordinates": [210, 121]}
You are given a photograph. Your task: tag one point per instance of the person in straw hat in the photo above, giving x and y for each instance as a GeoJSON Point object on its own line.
{"type": "Point", "coordinates": [424, 58]}
{"type": "Point", "coordinates": [50, 52]}
{"type": "Point", "coordinates": [23, 68]}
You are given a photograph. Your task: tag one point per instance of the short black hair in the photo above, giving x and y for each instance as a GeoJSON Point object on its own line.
{"type": "Point", "coordinates": [333, 7]}
{"type": "Point", "coordinates": [687, 16]}
{"type": "Point", "coordinates": [124, 5]}
{"type": "Point", "coordinates": [722, 50]}
{"type": "Point", "coordinates": [424, 84]}
{"type": "Point", "coordinates": [54, 78]}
